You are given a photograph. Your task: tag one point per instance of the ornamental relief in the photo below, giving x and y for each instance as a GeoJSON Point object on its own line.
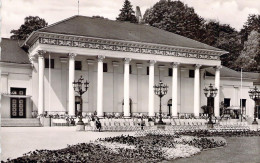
{"type": "Point", "coordinates": [81, 44]}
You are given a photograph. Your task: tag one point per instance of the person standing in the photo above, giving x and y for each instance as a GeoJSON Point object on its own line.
{"type": "Point", "coordinates": [98, 124]}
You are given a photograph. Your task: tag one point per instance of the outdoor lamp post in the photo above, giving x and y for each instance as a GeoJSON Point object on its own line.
{"type": "Point", "coordinates": [160, 90]}
{"type": "Point", "coordinates": [254, 94]}
{"type": "Point", "coordinates": [80, 87]}
{"type": "Point", "coordinates": [210, 93]}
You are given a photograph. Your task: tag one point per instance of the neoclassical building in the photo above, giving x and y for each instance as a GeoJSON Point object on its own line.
{"type": "Point", "coordinates": [122, 62]}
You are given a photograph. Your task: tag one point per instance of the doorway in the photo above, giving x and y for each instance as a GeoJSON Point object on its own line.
{"type": "Point", "coordinates": [243, 106]}
{"type": "Point", "coordinates": [258, 111]}
{"type": "Point", "coordinates": [18, 108]}
{"type": "Point", "coordinates": [77, 105]}
{"type": "Point", "coordinates": [210, 104]}
{"type": "Point", "coordinates": [169, 104]}
{"type": "Point", "coordinates": [18, 105]}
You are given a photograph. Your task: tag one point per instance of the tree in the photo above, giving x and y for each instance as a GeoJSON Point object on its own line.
{"type": "Point", "coordinates": [174, 16]}
{"type": "Point", "coordinates": [127, 13]}
{"type": "Point", "coordinates": [31, 23]}
{"type": "Point", "coordinates": [252, 23]}
{"type": "Point", "coordinates": [232, 44]}
{"type": "Point", "coordinates": [214, 30]}
{"type": "Point", "coordinates": [249, 58]}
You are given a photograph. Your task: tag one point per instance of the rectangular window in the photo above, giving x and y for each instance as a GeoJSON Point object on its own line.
{"type": "Point", "coordinates": [78, 65]}
{"type": "Point", "coordinates": [47, 63]}
{"type": "Point", "coordinates": [130, 69]}
{"type": "Point", "coordinates": [147, 71]}
{"type": "Point", "coordinates": [18, 91]}
{"type": "Point", "coordinates": [191, 73]}
{"type": "Point", "coordinates": [170, 72]}
{"type": "Point", "coordinates": [226, 102]}
{"type": "Point", "coordinates": [104, 67]}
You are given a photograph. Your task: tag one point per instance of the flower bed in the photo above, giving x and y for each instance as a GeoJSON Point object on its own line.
{"type": "Point", "coordinates": [149, 148]}
{"type": "Point", "coordinates": [207, 133]}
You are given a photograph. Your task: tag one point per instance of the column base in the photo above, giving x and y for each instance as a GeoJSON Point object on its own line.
{"type": "Point", "coordinates": [80, 127]}
{"type": "Point", "coordinates": [127, 117]}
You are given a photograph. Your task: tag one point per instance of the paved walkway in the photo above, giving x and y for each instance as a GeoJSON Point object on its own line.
{"type": "Point", "coordinates": [15, 141]}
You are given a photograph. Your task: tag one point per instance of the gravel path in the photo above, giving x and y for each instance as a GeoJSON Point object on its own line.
{"type": "Point", "coordinates": [15, 141]}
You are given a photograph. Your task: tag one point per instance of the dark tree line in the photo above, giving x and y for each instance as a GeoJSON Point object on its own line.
{"type": "Point", "coordinates": [176, 17]}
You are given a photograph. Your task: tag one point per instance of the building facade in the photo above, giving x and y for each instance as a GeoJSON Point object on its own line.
{"type": "Point", "coordinates": [122, 62]}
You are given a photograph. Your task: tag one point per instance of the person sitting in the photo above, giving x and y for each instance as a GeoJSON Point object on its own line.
{"type": "Point", "coordinates": [98, 124]}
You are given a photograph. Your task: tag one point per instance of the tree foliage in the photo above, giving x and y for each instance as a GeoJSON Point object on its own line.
{"type": "Point", "coordinates": [252, 23]}
{"type": "Point", "coordinates": [249, 58]}
{"type": "Point", "coordinates": [225, 37]}
{"type": "Point", "coordinates": [127, 13]}
{"type": "Point", "coordinates": [31, 23]}
{"type": "Point", "coordinates": [174, 16]}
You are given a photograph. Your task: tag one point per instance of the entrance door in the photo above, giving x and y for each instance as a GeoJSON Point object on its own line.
{"type": "Point", "coordinates": [258, 111]}
{"type": "Point", "coordinates": [77, 108]}
{"type": "Point", "coordinates": [18, 107]}
{"type": "Point", "coordinates": [169, 107]}
{"type": "Point", "coordinates": [243, 106]}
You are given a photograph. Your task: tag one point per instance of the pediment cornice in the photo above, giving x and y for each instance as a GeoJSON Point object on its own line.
{"type": "Point", "coordinates": [124, 46]}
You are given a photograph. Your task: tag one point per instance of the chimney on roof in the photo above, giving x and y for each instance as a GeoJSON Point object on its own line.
{"type": "Point", "coordinates": [138, 15]}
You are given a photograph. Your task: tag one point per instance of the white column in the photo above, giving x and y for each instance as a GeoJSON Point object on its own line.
{"type": "Point", "coordinates": [151, 91]}
{"type": "Point", "coordinates": [41, 81]}
{"type": "Point", "coordinates": [217, 85]}
{"type": "Point", "coordinates": [71, 80]}
{"type": "Point", "coordinates": [64, 91]}
{"type": "Point", "coordinates": [100, 87]}
{"type": "Point", "coordinates": [126, 87]}
{"type": "Point", "coordinates": [175, 89]}
{"type": "Point", "coordinates": [197, 91]}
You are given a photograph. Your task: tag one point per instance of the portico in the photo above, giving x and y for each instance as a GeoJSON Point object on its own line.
{"type": "Point", "coordinates": [131, 57]}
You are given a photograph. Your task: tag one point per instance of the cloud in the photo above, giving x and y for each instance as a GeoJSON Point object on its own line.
{"type": "Point", "coordinates": [233, 12]}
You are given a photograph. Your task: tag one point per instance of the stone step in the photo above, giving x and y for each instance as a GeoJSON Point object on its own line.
{"type": "Point", "coordinates": [20, 122]}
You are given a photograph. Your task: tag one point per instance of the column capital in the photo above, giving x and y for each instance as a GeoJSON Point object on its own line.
{"type": "Point", "coordinates": [218, 67]}
{"type": "Point", "coordinates": [72, 55]}
{"type": "Point", "coordinates": [100, 58]}
{"type": "Point", "coordinates": [175, 64]}
{"type": "Point", "coordinates": [152, 62]}
{"type": "Point", "coordinates": [40, 53]}
{"type": "Point", "coordinates": [63, 59]}
{"type": "Point", "coordinates": [197, 66]}
{"type": "Point", "coordinates": [127, 60]}
{"type": "Point", "coordinates": [32, 59]}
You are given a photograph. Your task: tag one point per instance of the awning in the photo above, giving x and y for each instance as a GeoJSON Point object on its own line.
{"type": "Point", "coordinates": [16, 96]}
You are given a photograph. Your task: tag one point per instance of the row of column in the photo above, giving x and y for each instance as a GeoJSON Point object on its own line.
{"type": "Point", "coordinates": [151, 112]}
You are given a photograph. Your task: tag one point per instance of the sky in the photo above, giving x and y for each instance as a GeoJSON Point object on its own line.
{"type": "Point", "coordinates": [13, 12]}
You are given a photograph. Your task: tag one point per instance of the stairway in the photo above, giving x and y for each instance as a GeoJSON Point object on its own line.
{"type": "Point", "coordinates": [20, 122]}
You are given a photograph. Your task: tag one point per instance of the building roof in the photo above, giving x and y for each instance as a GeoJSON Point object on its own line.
{"type": "Point", "coordinates": [126, 31]}
{"type": "Point", "coordinates": [253, 75]}
{"type": "Point", "coordinates": [226, 72]}
{"type": "Point", "coordinates": [11, 52]}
